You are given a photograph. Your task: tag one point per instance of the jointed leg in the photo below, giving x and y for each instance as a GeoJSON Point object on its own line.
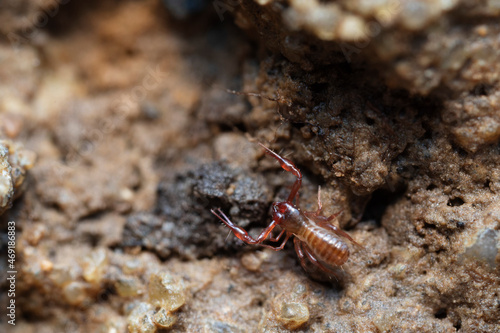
{"type": "Point", "coordinates": [331, 217]}
{"type": "Point", "coordinates": [278, 248]}
{"type": "Point", "coordinates": [297, 243]}
{"type": "Point", "coordinates": [324, 222]}
{"type": "Point", "coordinates": [317, 213]}
{"type": "Point", "coordinates": [318, 218]}
{"type": "Point", "coordinates": [320, 207]}
{"type": "Point", "coordinates": [304, 253]}
{"type": "Point", "coordinates": [277, 238]}
{"type": "Point", "coordinates": [337, 230]}
{"type": "Point", "coordinates": [317, 263]}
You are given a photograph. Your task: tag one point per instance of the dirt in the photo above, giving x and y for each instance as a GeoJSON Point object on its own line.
{"type": "Point", "coordinates": [118, 135]}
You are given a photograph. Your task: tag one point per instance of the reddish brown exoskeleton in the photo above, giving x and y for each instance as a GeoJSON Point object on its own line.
{"type": "Point", "coordinates": [316, 240]}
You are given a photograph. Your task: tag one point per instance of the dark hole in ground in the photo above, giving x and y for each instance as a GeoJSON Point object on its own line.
{"type": "Point", "coordinates": [105, 296]}
{"type": "Point", "coordinates": [441, 313]}
{"type": "Point", "coordinates": [14, 213]}
{"type": "Point", "coordinates": [429, 226]}
{"type": "Point", "coordinates": [319, 87]}
{"type": "Point", "coordinates": [378, 204]}
{"type": "Point", "coordinates": [458, 324]}
{"type": "Point", "coordinates": [94, 215]}
{"type": "Point", "coordinates": [92, 239]}
{"type": "Point", "coordinates": [481, 89]}
{"type": "Point", "coordinates": [238, 127]}
{"type": "Point", "coordinates": [455, 202]}
{"type": "Point", "coordinates": [427, 135]}
{"type": "Point", "coordinates": [461, 152]}
{"type": "Point", "coordinates": [64, 17]}
{"type": "Point", "coordinates": [431, 187]}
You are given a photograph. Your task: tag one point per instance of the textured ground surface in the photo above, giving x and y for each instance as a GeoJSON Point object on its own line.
{"type": "Point", "coordinates": [393, 107]}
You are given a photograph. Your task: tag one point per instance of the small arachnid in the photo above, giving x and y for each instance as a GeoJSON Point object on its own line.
{"type": "Point", "coordinates": [316, 240]}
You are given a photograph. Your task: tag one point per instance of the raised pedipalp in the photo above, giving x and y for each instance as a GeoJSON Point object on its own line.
{"type": "Point", "coordinates": [287, 165]}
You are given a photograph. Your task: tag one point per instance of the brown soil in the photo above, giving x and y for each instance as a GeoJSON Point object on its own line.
{"type": "Point", "coordinates": [393, 108]}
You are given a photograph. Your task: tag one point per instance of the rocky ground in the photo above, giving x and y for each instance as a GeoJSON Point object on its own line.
{"type": "Point", "coordinates": [118, 135]}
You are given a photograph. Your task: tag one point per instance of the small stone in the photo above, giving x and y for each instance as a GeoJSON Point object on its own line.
{"type": "Point", "coordinates": [46, 265]}
{"type": "Point", "coordinates": [164, 318]}
{"type": "Point", "coordinates": [126, 194]}
{"type": "Point", "coordinates": [35, 234]}
{"type": "Point", "coordinates": [75, 292]}
{"type": "Point", "coordinates": [60, 276]}
{"type": "Point", "coordinates": [398, 271]}
{"type": "Point", "coordinates": [10, 124]}
{"type": "Point", "coordinates": [299, 289]}
{"type": "Point", "coordinates": [132, 266]}
{"type": "Point", "coordinates": [127, 286]}
{"type": "Point", "coordinates": [166, 292]}
{"type": "Point", "coordinates": [94, 266]}
{"type": "Point", "coordinates": [140, 319]}
{"type": "Point", "coordinates": [293, 315]}
{"type": "Point", "coordinates": [6, 181]}
{"type": "Point", "coordinates": [352, 28]}
{"type": "Point", "coordinates": [485, 248]}
{"type": "Point", "coordinates": [252, 261]}
{"type": "Point", "coordinates": [15, 161]}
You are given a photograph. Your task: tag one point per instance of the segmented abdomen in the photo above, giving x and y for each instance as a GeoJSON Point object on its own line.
{"type": "Point", "coordinates": [326, 246]}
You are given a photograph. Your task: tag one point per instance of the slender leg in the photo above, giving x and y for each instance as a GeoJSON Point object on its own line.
{"type": "Point", "coordinates": [305, 254]}
{"type": "Point", "coordinates": [316, 217]}
{"type": "Point", "coordinates": [337, 230]}
{"type": "Point", "coordinates": [297, 243]}
{"type": "Point", "coordinates": [277, 238]}
{"type": "Point", "coordinates": [317, 213]}
{"type": "Point", "coordinates": [315, 261]}
{"type": "Point", "coordinates": [320, 207]}
{"type": "Point", "coordinates": [323, 222]}
{"type": "Point", "coordinates": [279, 248]}
{"type": "Point", "coordinates": [287, 165]}
{"type": "Point", "coordinates": [331, 217]}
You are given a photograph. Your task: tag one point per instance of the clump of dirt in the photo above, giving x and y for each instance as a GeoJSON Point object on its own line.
{"type": "Point", "coordinates": [391, 107]}
{"type": "Point", "coordinates": [15, 161]}
{"type": "Point", "coordinates": [182, 223]}
{"type": "Point", "coordinates": [19, 19]}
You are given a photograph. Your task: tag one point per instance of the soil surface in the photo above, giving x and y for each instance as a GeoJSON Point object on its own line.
{"type": "Point", "coordinates": [123, 123]}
